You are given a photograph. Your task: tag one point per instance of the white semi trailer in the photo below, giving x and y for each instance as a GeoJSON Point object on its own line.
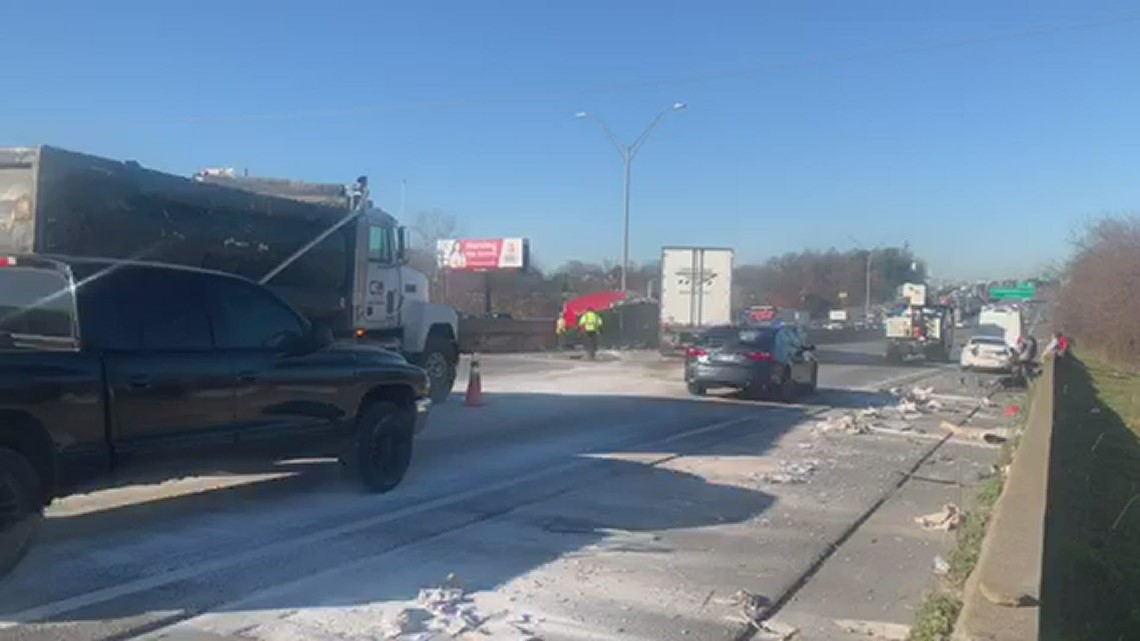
{"type": "Point", "coordinates": [696, 292]}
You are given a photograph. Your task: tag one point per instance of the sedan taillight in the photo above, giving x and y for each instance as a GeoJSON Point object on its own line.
{"type": "Point", "coordinates": [696, 352]}
{"type": "Point", "coordinates": [759, 357]}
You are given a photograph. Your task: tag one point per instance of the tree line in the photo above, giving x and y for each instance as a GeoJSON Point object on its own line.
{"type": "Point", "coordinates": [1097, 304]}
{"type": "Point", "coordinates": [815, 281]}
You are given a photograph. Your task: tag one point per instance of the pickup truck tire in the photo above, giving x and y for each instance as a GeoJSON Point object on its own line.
{"type": "Point", "coordinates": [381, 448]}
{"type": "Point", "coordinates": [439, 361]}
{"type": "Point", "coordinates": [21, 508]}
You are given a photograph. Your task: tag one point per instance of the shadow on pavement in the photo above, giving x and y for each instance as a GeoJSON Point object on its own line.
{"type": "Point", "coordinates": [475, 448]}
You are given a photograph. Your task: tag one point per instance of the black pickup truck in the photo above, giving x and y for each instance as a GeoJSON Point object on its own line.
{"type": "Point", "coordinates": [107, 362]}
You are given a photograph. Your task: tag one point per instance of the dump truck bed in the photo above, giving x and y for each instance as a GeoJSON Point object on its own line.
{"type": "Point", "coordinates": [54, 201]}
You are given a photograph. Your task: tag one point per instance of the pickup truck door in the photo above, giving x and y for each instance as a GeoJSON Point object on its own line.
{"type": "Point", "coordinates": [168, 387]}
{"type": "Point", "coordinates": [283, 391]}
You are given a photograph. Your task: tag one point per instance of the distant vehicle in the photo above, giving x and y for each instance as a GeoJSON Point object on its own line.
{"type": "Point", "coordinates": [1003, 321]}
{"type": "Point", "coordinates": [833, 325]}
{"type": "Point", "coordinates": [696, 292]}
{"type": "Point", "coordinates": [103, 364]}
{"type": "Point", "coordinates": [760, 361]}
{"type": "Point", "coordinates": [986, 352]}
{"type": "Point", "coordinates": [918, 327]}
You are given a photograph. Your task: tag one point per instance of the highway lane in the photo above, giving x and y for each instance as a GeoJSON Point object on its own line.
{"type": "Point", "coordinates": [122, 560]}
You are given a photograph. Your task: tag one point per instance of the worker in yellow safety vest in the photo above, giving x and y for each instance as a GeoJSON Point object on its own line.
{"type": "Point", "coordinates": [560, 331]}
{"type": "Point", "coordinates": [591, 325]}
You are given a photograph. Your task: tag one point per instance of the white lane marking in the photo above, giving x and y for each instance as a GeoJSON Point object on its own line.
{"type": "Point", "coordinates": [102, 595]}
{"type": "Point", "coordinates": [910, 377]}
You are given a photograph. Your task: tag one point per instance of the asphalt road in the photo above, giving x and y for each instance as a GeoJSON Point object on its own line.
{"type": "Point", "coordinates": [584, 500]}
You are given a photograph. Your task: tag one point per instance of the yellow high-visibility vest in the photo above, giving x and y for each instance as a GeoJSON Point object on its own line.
{"type": "Point", "coordinates": [590, 322]}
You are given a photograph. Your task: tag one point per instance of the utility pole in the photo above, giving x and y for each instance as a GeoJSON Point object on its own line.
{"type": "Point", "coordinates": [627, 153]}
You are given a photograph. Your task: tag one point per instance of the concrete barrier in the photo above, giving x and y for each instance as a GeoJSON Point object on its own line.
{"type": "Point", "coordinates": [1002, 596]}
{"type": "Point", "coordinates": [499, 335]}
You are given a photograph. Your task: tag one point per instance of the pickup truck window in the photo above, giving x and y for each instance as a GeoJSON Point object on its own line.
{"type": "Point", "coordinates": [169, 309]}
{"type": "Point", "coordinates": [37, 309]}
{"type": "Point", "coordinates": [248, 317]}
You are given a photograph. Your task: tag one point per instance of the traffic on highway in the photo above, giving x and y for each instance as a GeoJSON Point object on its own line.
{"type": "Point", "coordinates": [333, 326]}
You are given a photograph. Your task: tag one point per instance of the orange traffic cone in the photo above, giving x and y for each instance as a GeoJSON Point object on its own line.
{"type": "Point", "coordinates": [474, 384]}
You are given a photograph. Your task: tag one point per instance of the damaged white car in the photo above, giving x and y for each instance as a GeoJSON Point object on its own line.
{"type": "Point", "coordinates": [988, 353]}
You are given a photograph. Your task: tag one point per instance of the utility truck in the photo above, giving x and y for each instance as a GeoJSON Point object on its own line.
{"type": "Point", "coordinates": [916, 327]}
{"type": "Point", "coordinates": [324, 248]}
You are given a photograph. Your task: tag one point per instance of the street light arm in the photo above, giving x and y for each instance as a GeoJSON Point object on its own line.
{"type": "Point", "coordinates": [622, 149]}
{"type": "Point", "coordinates": [633, 149]}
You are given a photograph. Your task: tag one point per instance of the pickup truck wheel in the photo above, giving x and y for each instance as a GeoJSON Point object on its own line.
{"type": "Point", "coordinates": [381, 450]}
{"type": "Point", "coordinates": [438, 360]}
{"type": "Point", "coordinates": [21, 508]}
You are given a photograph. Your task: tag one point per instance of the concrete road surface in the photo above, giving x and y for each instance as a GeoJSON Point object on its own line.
{"type": "Point", "coordinates": [583, 501]}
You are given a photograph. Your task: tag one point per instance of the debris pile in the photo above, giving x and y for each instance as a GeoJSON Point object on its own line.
{"type": "Point", "coordinates": [946, 519]}
{"type": "Point", "coordinates": [446, 612]}
{"type": "Point", "coordinates": [792, 473]}
{"type": "Point", "coordinates": [910, 404]}
{"type": "Point", "coordinates": [852, 423]}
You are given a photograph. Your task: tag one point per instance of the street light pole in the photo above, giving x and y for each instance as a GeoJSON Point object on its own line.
{"type": "Point", "coordinates": [867, 292]}
{"type": "Point", "coordinates": [628, 152]}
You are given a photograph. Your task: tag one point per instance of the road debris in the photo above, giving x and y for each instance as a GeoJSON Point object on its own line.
{"type": "Point", "coordinates": [851, 423]}
{"type": "Point", "coordinates": [876, 630]}
{"type": "Point", "coordinates": [775, 631]}
{"type": "Point", "coordinates": [994, 436]}
{"type": "Point", "coordinates": [941, 566]}
{"type": "Point", "coordinates": [792, 473]}
{"type": "Point", "coordinates": [946, 519]}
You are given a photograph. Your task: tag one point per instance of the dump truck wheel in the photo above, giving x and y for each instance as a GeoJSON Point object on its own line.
{"type": "Point", "coordinates": [440, 362]}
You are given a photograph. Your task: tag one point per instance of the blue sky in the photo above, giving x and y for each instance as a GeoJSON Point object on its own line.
{"type": "Point", "coordinates": [809, 123]}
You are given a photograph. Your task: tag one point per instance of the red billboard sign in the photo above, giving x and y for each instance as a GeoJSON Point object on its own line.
{"type": "Point", "coordinates": [482, 255]}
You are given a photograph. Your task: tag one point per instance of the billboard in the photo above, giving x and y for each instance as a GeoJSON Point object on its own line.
{"type": "Point", "coordinates": [482, 255]}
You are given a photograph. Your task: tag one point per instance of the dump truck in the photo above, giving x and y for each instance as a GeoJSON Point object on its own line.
{"type": "Point", "coordinates": [324, 248]}
{"type": "Point", "coordinates": [918, 328]}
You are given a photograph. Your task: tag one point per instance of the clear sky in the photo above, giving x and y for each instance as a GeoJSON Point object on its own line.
{"type": "Point", "coordinates": [980, 132]}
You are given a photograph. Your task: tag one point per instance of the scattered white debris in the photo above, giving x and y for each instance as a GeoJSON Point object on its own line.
{"type": "Point", "coordinates": [846, 424]}
{"type": "Point", "coordinates": [772, 630]}
{"type": "Point", "coordinates": [948, 518]}
{"type": "Point", "coordinates": [792, 473]}
{"type": "Point", "coordinates": [878, 630]}
{"type": "Point", "coordinates": [941, 566]}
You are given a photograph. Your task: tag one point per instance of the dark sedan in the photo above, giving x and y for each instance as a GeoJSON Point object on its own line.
{"type": "Point", "coordinates": [759, 361]}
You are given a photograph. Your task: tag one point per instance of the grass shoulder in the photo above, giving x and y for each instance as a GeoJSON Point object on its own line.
{"type": "Point", "coordinates": [1091, 587]}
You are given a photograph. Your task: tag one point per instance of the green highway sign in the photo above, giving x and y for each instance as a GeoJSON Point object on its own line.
{"type": "Point", "coordinates": [1024, 291]}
